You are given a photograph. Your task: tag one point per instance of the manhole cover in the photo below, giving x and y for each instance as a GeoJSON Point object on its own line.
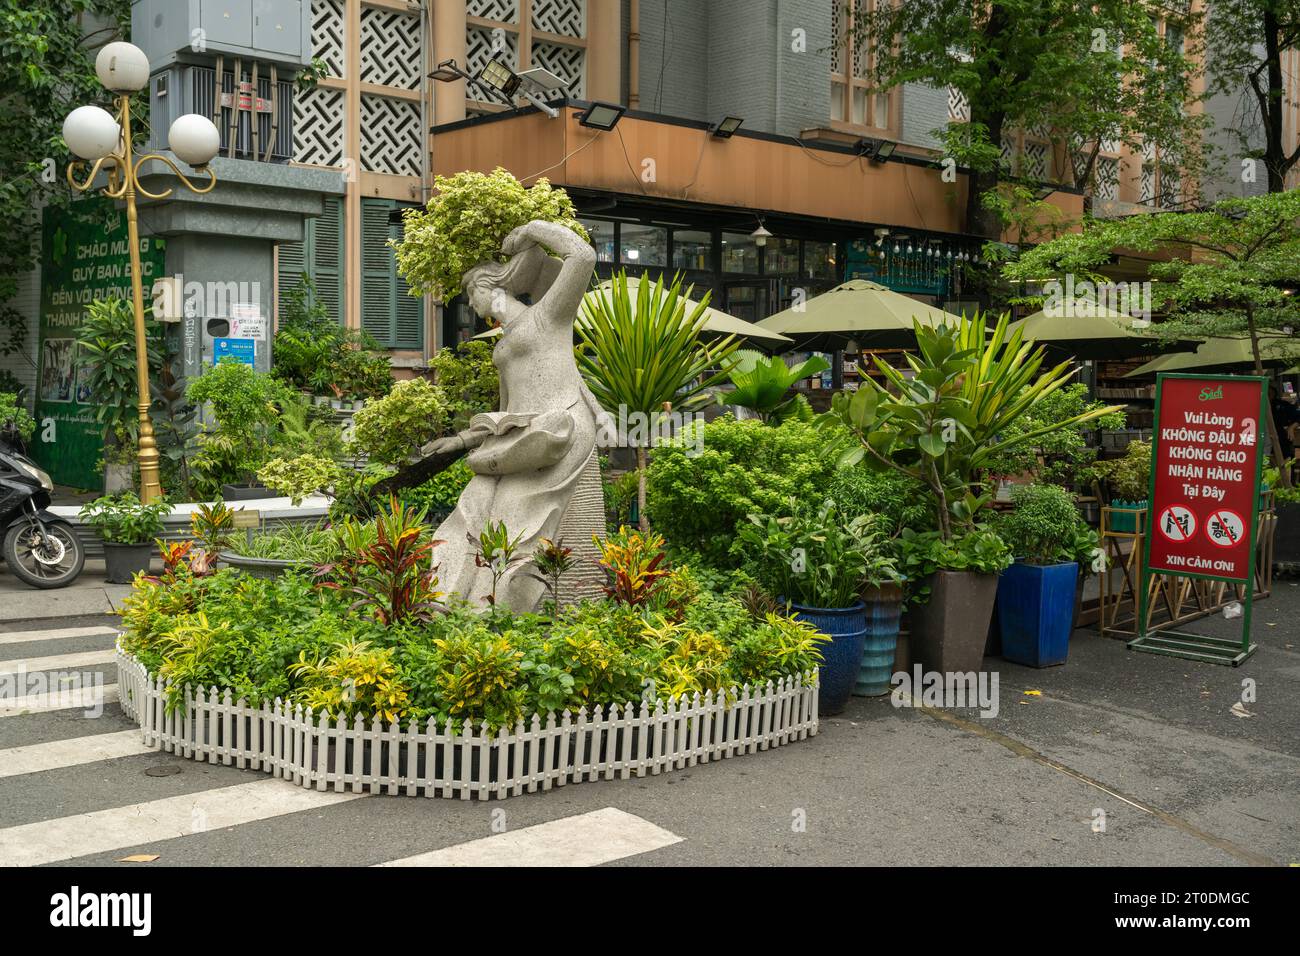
{"type": "Point", "coordinates": [169, 770]}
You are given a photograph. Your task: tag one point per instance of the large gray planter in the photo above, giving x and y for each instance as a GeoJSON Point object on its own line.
{"type": "Point", "coordinates": [949, 631]}
{"type": "Point", "coordinates": [263, 567]}
{"type": "Point", "coordinates": [122, 562]}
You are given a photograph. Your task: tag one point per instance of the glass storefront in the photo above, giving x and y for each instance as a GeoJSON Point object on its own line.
{"type": "Point", "coordinates": [643, 245]}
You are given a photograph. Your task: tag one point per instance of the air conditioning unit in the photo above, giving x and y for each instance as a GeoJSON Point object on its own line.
{"type": "Point", "coordinates": [188, 88]}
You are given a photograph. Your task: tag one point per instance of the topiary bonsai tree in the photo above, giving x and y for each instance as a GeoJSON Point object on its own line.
{"type": "Point", "coordinates": [466, 222]}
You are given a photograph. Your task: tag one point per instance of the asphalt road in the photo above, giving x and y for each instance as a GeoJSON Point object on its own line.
{"type": "Point", "coordinates": [1150, 742]}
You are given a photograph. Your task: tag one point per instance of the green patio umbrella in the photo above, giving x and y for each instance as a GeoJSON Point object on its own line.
{"type": "Point", "coordinates": [1221, 353]}
{"type": "Point", "coordinates": [873, 315]}
{"type": "Point", "coordinates": [1100, 333]}
{"type": "Point", "coordinates": [716, 322]}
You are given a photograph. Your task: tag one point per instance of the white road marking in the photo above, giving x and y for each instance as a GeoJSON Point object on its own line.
{"type": "Point", "coordinates": [59, 662]}
{"type": "Point", "coordinates": [55, 754]}
{"type": "Point", "coordinates": [85, 697]}
{"type": "Point", "coordinates": [587, 839]}
{"type": "Point", "coordinates": [55, 634]}
{"type": "Point", "coordinates": [139, 826]}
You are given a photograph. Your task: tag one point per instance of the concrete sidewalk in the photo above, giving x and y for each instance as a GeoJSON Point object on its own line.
{"type": "Point", "coordinates": [89, 594]}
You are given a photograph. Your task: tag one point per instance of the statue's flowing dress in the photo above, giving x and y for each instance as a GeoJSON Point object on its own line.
{"type": "Point", "coordinates": [539, 450]}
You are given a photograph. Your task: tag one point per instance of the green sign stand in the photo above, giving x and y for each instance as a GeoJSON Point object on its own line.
{"type": "Point", "coordinates": [1200, 647]}
{"type": "Point", "coordinates": [84, 257]}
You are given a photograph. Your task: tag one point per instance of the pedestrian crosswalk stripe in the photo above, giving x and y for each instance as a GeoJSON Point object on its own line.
{"type": "Point", "coordinates": [139, 826]}
{"type": "Point", "coordinates": [85, 697]}
{"type": "Point", "coordinates": [72, 752]}
{"type": "Point", "coordinates": [587, 839]}
{"type": "Point", "coordinates": [55, 634]}
{"type": "Point", "coordinates": [59, 662]}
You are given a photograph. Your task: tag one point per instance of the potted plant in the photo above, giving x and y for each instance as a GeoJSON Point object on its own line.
{"type": "Point", "coordinates": [1127, 479]}
{"type": "Point", "coordinates": [128, 528]}
{"type": "Point", "coordinates": [816, 562]}
{"type": "Point", "coordinates": [945, 425]}
{"type": "Point", "coordinates": [1036, 595]}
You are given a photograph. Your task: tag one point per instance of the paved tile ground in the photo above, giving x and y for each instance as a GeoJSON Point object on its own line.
{"type": "Point", "coordinates": [1151, 742]}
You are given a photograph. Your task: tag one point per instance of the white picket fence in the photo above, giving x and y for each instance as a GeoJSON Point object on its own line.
{"type": "Point", "coordinates": [634, 740]}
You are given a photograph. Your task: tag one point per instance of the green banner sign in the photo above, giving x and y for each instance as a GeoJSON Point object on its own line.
{"type": "Point", "coordinates": [85, 256]}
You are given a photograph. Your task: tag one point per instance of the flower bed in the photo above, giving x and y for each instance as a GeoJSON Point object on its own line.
{"type": "Point", "coordinates": [637, 739]}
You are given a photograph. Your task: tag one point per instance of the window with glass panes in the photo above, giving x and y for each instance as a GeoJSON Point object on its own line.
{"type": "Point", "coordinates": [852, 59]}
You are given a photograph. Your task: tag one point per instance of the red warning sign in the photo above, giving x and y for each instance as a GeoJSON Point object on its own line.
{"type": "Point", "coordinates": [1205, 465]}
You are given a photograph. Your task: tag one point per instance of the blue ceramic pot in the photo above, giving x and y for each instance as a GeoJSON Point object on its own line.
{"type": "Point", "coordinates": [842, 657]}
{"type": "Point", "coordinates": [1036, 612]}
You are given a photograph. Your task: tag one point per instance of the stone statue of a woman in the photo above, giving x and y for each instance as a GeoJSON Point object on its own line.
{"type": "Point", "coordinates": [534, 462]}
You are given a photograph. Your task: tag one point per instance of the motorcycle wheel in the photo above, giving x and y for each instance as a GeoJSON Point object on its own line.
{"type": "Point", "coordinates": [53, 563]}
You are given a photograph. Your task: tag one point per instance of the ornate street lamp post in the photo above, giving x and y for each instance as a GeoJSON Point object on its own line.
{"type": "Point", "coordinates": [98, 137]}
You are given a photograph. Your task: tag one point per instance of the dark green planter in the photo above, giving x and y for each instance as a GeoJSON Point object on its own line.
{"type": "Point", "coordinates": [1123, 515]}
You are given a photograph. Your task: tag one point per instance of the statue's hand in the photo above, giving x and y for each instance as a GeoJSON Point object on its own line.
{"type": "Point", "coordinates": [518, 240]}
{"type": "Point", "coordinates": [443, 446]}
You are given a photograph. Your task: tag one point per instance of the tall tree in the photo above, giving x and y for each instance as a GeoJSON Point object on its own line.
{"type": "Point", "coordinates": [1245, 42]}
{"type": "Point", "coordinates": [47, 69]}
{"type": "Point", "coordinates": [1087, 71]}
{"type": "Point", "coordinates": [1230, 274]}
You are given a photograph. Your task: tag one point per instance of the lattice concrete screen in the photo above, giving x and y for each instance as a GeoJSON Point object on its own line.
{"type": "Point", "coordinates": [319, 121]}
{"type": "Point", "coordinates": [567, 18]}
{"type": "Point", "coordinates": [390, 136]}
{"type": "Point", "coordinates": [390, 48]}
{"type": "Point", "coordinates": [327, 32]}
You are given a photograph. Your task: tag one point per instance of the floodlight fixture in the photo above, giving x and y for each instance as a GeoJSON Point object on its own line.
{"type": "Point", "coordinates": [495, 75]}
{"type": "Point", "coordinates": [449, 72]}
{"type": "Point", "coordinates": [726, 127]}
{"type": "Point", "coordinates": [602, 116]}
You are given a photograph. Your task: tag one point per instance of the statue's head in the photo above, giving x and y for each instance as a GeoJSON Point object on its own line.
{"type": "Point", "coordinates": [487, 282]}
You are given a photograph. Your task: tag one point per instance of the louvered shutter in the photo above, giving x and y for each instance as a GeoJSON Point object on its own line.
{"type": "Point", "coordinates": [327, 257]}
{"type": "Point", "coordinates": [376, 271]}
{"type": "Point", "coordinates": [388, 312]}
{"type": "Point", "coordinates": [320, 256]}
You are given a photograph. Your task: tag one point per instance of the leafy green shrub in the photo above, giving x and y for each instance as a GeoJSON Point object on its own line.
{"type": "Point", "coordinates": [442, 491]}
{"type": "Point", "coordinates": [465, 223]}
{"type": "Point", "coordinates": [392, 428]}
{"type": "Point", "coordinates": [468, 379]}
{"type": "Point", "coordinates": [1129, 476]}
{"type": "Point", "coordinates": [106, 351]}
{"type": "Point", "coordinates": [979, 549]}
{"type": "Point", "coordinates": [246, 406]}
{"type": "Point", "coordinates": [300, 477]}
{"type": "Point", "coordinates": [1061, 456]}
{"type": "Point", "coordinates": [699, 501]}
{"type": "Point", "coordinates": [314, 352]}
{"type": "Point", "coordinates": [123, 519]}
{"type": "Point", "coordinates": [13, 413]}
{"type": "Point", "coordinates": [816, 558]}
{"type": "Point", "coordinates": [898, 501]}
{"type": "Point", "coordinates": [1044, 527]}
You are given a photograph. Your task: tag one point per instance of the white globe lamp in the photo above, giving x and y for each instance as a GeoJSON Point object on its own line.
{"type": "Point", "coordinates": [122, 67]}
{"type": "Point", "coordinates": [91, 132]}
{"type": "Point", "coordinates": [194, 139]}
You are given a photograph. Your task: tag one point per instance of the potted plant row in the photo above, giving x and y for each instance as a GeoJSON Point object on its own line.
{"type": "Point", "coordinates": [817, 563]}
{"type": "Point", "coordinates": [1036, 594]}
{"type": "Point", "coordinates": [129, 529]}
{"type": "Point", "coordinates": [944, 425]}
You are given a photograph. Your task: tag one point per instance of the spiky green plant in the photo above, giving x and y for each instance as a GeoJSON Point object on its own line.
{"type": "Point", "coordinates": [645, 356]}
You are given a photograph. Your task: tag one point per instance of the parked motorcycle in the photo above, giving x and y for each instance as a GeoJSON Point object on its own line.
{"type": "Point", "coordinates": [40, 548]}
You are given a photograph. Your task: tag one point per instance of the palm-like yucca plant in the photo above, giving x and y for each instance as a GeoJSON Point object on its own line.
{"type": "Point", "coordinates": [943, 424]}
{"type": "Point", "coordinates": [761, 383]}
{"type": "Point", "coordinates": [643, 355]}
